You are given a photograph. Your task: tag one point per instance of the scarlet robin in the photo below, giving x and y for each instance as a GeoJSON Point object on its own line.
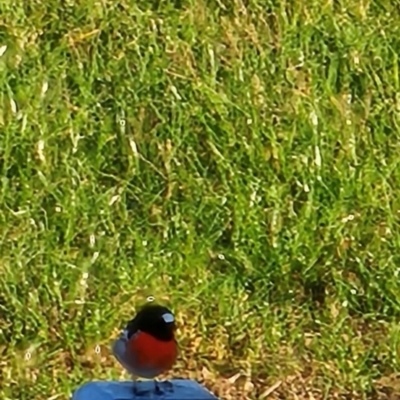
{"type": "Point", "coordinates": [147, 346]}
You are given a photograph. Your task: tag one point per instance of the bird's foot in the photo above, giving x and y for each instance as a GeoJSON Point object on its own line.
{"type": "Point", "coordinates": [167, 386]}
{"type": "Point", "coordinates": [157, 390]}
{"type": "Point", "coordinates": [137, 392]}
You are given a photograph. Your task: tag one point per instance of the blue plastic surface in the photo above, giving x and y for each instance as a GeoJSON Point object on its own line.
{"type": "Point", "coordinates": [112, 390]}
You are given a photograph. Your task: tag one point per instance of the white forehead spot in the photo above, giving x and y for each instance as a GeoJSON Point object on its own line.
{"type": "Point", "coordinates": [168, 318]}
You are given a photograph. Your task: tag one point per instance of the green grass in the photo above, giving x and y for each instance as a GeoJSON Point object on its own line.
{"type": "Point", "coordinates": [254, 188]}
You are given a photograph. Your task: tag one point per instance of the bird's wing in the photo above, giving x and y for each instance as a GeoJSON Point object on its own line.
{"type": "Point", "coordinates": [119, 349]}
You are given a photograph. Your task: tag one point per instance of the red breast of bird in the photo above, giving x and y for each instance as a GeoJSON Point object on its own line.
{"type": "Point", "coordinates": [147, 347]}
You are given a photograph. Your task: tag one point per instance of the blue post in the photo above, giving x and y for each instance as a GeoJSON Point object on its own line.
{"type": "Point", "coordinates": [181, 389]}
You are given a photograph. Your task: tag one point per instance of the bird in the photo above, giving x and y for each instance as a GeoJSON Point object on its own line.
{"type": "Point", "coordinates": [147, 346]}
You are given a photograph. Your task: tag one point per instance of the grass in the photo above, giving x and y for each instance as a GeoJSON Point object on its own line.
{"type": "Point", "coordinates": [238, 161]}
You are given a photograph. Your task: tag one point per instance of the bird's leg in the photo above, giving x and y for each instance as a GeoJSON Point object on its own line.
{"type": "Point", "coordinates": [135, 389]}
